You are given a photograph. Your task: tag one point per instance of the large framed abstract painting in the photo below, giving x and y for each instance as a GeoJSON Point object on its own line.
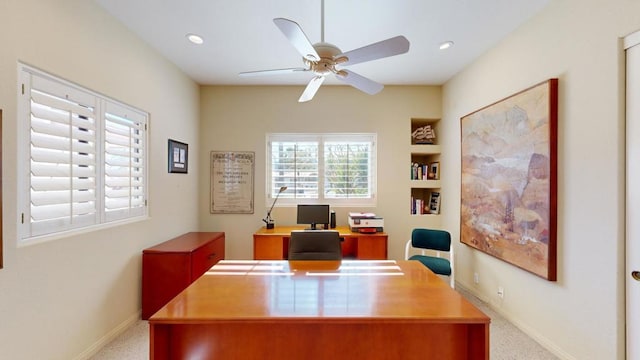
{"type": "Point", "coordinates": [509, 179]}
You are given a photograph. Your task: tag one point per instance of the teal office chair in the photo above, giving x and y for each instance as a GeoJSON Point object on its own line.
{"type": "Point", "coordinates": [432, 244]}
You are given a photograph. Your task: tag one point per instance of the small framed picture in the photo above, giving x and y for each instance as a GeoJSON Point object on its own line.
{"type": "Point", "coordinates": [434, 171]}
{"type": "Point", "coordinates": [434, 202]}
{"type": "Point", "coordinates": [178, 157]}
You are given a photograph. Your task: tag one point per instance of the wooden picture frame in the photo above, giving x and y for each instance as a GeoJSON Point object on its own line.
{"type": "Point", "coordinates": [178, 157]}
{"type": "Point", "coordinates": [434, 202]}
{"type": "Point", "coordinates": [232, 182]}
{"type": "Point", "coordinates": [508, 192]}
{"type": "Point", "coordinates": [434, 171]}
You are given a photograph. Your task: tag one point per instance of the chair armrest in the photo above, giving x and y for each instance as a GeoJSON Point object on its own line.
{"type": "Point", "coordinates": [407, 248]}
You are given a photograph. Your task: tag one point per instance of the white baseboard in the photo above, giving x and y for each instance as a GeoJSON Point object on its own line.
{"type": "Point", "coordinates": [539, 338]}
{"type": "Point", "coordinates": [109, 337]}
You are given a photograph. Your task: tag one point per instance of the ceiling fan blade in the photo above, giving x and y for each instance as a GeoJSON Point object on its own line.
{"type": "Point", "coordinates": [360, 82]}
{"type": "Point", "coordinates": [296, 36]}
{"type": "Point", "coordinates": [385, 48]}
{"type": "Point", "coordinates": [311, 88]}
{"type": "Point", "coordinates": [272, 72]}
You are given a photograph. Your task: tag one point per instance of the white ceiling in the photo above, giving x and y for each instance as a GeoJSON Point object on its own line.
{"type": "Point", "coordinates": [240, 34]}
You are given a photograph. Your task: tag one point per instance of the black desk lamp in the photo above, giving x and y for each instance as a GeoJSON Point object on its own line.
{"type": "Point", "coordinates": [268, 220]}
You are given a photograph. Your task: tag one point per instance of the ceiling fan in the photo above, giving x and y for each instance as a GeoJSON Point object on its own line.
{"type": "Point", "coordinates": [324, 58]}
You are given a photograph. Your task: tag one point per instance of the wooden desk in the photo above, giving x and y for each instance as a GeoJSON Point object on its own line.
{"type": "Point", "coordinates": [319, 310]}
{"type": "Point", "coordinates": [273, 244]}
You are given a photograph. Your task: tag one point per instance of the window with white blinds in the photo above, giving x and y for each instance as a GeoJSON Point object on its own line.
{"type": "Point", "coordinates": [339, 169]}
{"type": "Point", "coordinates": [82, 157]}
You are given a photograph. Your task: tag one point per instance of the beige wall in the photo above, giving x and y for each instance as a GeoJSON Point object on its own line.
{"type": "Point", "coordinates": [581, 316]}
{"type": "Point", "coordinates": [58, 299]}
{"type": "Point", "coordinates": [237, 118]}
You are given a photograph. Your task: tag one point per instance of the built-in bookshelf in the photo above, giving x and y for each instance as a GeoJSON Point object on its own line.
{"type": "Point", "coordinates": [425, 167]}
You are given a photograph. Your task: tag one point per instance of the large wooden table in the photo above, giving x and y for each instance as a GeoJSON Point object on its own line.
{"type": "Point", "coordinates": [319, 310]}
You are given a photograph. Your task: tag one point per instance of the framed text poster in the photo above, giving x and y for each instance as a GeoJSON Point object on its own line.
{"type": "Point", "coordinates": [232, 182]}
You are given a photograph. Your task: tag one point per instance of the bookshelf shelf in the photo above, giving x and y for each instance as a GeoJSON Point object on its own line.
{"type": "Point", "coordinates": [424, 182]}
{"type": "Point", "coordinates": [425, 149]}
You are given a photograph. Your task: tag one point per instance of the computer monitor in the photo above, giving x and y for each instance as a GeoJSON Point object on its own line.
{"type": "Point", "coordinates": [313, 215]}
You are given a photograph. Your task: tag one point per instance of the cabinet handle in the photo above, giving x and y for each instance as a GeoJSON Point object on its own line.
{"type": "Point", "coordinates": [212, 256]}
{"type": "Point", "coordinates": [635, 275]}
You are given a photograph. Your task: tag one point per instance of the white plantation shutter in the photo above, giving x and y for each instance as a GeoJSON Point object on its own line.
{"type": "Point", "coordinates": [295, 164]}
{"type": "Point", "coordinates": [62, 157]}
{"type": "Point", "coordinates": [82, 157]}
{"type": "Point", "coordinates": [124, 171]}
{"type": "Point", "coordinates": [348, 169]}
{"type": "Point", "coordinates": [339, 169]}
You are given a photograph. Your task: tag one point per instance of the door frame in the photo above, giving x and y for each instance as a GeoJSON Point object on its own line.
{"type": "Point", "coordinates": [632, 238]}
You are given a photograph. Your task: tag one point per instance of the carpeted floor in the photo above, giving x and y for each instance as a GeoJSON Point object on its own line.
{"type": "Point", "coordinates": [507, 341]}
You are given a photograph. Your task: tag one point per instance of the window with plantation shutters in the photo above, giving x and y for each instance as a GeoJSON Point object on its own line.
{"type": "Point", "coordinates": [339, 169]}
{"type": "Point", "coordinates": [81, 158]}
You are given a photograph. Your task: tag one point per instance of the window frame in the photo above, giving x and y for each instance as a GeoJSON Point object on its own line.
{"type": "Point", "coordinates": [321, 139]}
{"type": "Point", "coordinates": [139, 120]}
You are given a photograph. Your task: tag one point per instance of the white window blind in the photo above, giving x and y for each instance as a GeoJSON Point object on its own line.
{"type": "Point", "coordinates": [62, 157]}
{"type": "Point", "coordinates": [295, 165]}
{"type": "Point", "coordinates": [124, 163]}
{"type": "Point", "coordinates": [84, 157]}
{"type": "Point", "coordinates": [348, 169]}
{"type": "Point", "coordinates": [339, 169]}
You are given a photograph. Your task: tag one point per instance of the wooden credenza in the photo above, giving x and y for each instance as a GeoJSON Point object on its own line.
{"type": "Point", "coordinates": [171, 266]}
{"type": "Point", "coordinates": [273, 244]}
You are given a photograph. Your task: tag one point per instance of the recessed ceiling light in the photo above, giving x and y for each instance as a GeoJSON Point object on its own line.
{"type": "Point", "coordinates": [196, 39]}
{"type": "Point", "coordinates": [446, 45]}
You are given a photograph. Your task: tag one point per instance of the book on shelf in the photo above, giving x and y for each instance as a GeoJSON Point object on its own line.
{"type": "Point", "coordinates": [419, 171]}
{"type": "Point", "coordinates": [418, 206]}
{"type": "Point", "coordinates": [425, 171]}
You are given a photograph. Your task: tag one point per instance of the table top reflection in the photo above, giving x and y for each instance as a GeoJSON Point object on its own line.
{"type": "Point", "coordinates": [237, 290]}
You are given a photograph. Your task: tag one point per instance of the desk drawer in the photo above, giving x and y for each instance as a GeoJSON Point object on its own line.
{"type": "Point", "coordinates": [372, 247]}
{"type": "Point", "coordinates": [205, 257]}
{"type": "Point", "coordinates": [270, 247]}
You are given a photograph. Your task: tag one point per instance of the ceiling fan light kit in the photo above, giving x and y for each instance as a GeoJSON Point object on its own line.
{"type": "Point", "coordinates": [323, 58]}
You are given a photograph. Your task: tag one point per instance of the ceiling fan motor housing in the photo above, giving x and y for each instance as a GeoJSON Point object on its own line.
{"type": "Point", "coordinates": [327, 63]}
